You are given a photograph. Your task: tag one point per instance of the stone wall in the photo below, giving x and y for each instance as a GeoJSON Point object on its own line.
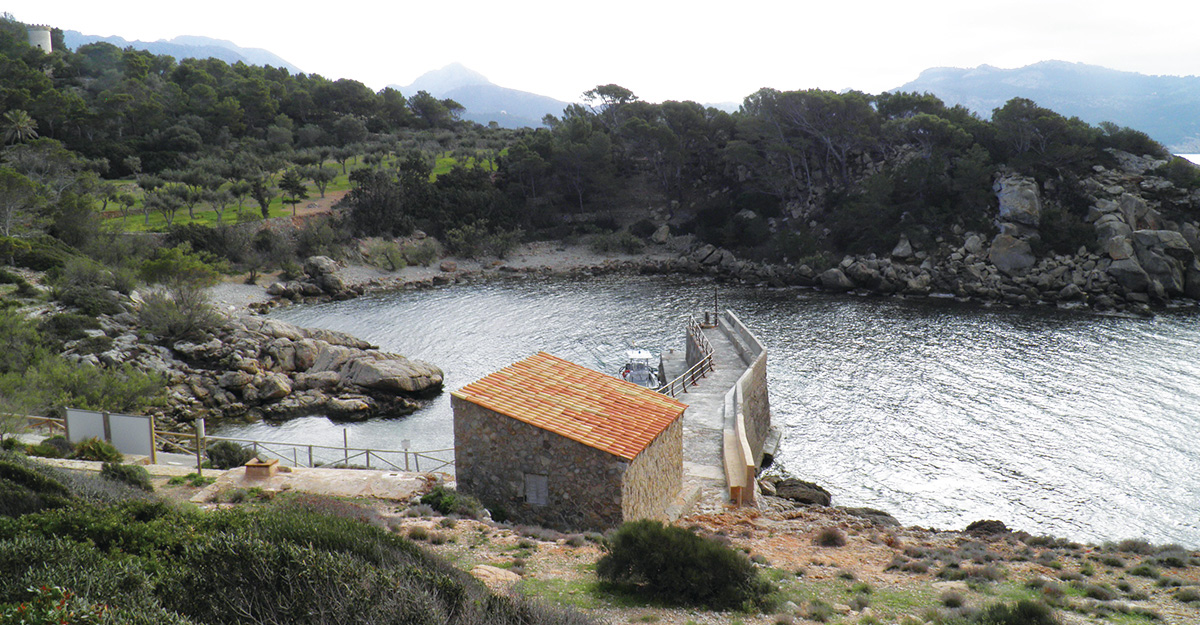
{"type": "Point", "coordinates": [752, 385]}
{"type": "Point", "coordinates": [655, 476]}
{"type": "Point", "coordinates": [493, 453]}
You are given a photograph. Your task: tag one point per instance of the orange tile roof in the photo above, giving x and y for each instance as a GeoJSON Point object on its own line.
{"type": "Point", "coordinates": [586, 406]}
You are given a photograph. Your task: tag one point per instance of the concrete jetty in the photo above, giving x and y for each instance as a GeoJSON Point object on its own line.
{"type": "Point", "coordinates": [728, 415]}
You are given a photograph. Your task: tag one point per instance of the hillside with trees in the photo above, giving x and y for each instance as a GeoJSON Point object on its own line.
{"type": "Point", "coordinates": [896, 192]}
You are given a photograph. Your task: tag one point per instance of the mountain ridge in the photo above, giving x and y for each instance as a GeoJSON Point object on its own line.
{"type": "Point", "coordinates": [484, 100]}
{"type": "Point", "coordinates": [1161, 106]}
{"type": "Point", "coordinates": [188, 47]}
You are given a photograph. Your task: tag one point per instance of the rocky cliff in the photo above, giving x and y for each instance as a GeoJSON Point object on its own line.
{"type": "Point", "coordinates": [1140, 256]}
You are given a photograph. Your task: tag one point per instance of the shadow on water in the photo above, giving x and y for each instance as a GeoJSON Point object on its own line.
{"type": "Point", "coordinates": [940, 412]}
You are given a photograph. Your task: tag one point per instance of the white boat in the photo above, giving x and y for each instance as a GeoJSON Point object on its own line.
{"type": "Point", "coordinates": [640, 369]}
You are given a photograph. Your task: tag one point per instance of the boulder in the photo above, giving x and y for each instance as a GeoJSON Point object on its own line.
{"type": "Point", "coordinates": [317, 266]}
{"type": "Point", "coordinates": [234, 379]}
{"type": "Point", "coordinates": [834, 280]}
{"type": "Point", "coordinates": [1070, 292]}
{"type": "Point", "coordinates": [703, 252]}
{"type": "Point", "coordinates": [903, 249]}
{"type": "Point", "coordinates": [802, 492]}
{"type": "Point", "coordinates": [662, 234]}
{"type": "Point", "coordinates": [350, 407]}
{"type": "Point", "coordinates": [392, 373]}
{"type": "Point", "coordinates": [1129, 274]}
{"type": "Point", "coordinates": [1191, 286]}
{"type": "Point", "coordinates": [1010, 254]}
{"type": "Point", "coordinates": [1020, 201]}
{"type": "Point", "coordinates": [1133, 208]}
{"type": "Point", "coordinates": [973, 245]}
{"type": "Point", "coordinates": [496, 579]}
{"type": "Point", "coordinates": [273, 386]}
{"type": "Point", "coordinates": [1111, 225]}
{"type": "Point", "coordinates": [320, 380]}
{"type": "Point", "coordinates": [448, 266]}
{"type": "Point", "coordinates": [1170, 242]}
{"type": "Point", "coordinates": [1119, 248]}
{"type": "Point", "coordinates": [878, 517]}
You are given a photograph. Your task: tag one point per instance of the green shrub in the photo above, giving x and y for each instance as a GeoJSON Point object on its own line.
{"type": "Point", "coordinates": [1023, 612]}
{"type": "Point", "coordinates": [67, 326]}
{"type": "Point", "coordinates": [92, 299]}
{"type": "Point", "coordinates": [1187, 595]}
{"type": "Point", "coordinates": [183, 312]}
{"type": "Point", "coordinates": [97, 450]}
{"type": "Point", "coordinates": [1139, 546]}
{"type": "Point", "coordinates": [830, 537]}
{"type": "Point", "coordinates": [681, 567]}
{"type": "Point", "coordinates": [386, 255]}
{"type": "Point", "coordinates": [1144, 570]}
{"type": "Point", "coordinates": [24, 490]}
{"type": "Point", "coordinates": [422, 253]}
{"type": "Point", "coordinates": [952, 599]}
{"type": "Point", "coordinates": [228, 455]}
{"type": "Point", "coordinates": [478, 240]}
{"type": "Point", "coordinates": [622, 242]}
{"type": "Point", "coordinates": [39, 253]}
{"type": "Point", "coordinates": [132, 474]}
{"type": "Point", "coordinates": [60, 443]}
{"type": "Point", "coordinates": [448, 501]}
{"type": "Point", "coordinates": [195, 480]}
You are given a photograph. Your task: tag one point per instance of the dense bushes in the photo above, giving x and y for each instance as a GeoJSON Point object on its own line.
{"type": "Point", "coordinates": [281, 563]}
{"type": "Point", "coordinates": [678, 566]}
{"type": "Point", "coordinates": [131, 474]}
{"type": "Point", "coordinates": [97, 450]}
{"type": "Point", "coordinates": [448, 501]}
{"type": "Point", "coordinates": [228, 454]}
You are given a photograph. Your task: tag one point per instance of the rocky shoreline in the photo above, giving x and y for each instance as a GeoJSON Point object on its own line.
{"type": "Point", "coordinates": [1140, 260]}
{"type": "Point", "coordinates": [253, 368]}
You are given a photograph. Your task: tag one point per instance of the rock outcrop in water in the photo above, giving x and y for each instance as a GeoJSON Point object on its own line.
{"type": "Point", "coordinates": [256, 368]}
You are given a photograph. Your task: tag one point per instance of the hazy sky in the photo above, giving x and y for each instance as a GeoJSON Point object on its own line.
{"type": "Point", "coordinates": [703, 51]}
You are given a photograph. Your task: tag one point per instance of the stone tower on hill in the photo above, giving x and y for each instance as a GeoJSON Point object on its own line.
{"type": "Point", "coordinates": [39, 37]}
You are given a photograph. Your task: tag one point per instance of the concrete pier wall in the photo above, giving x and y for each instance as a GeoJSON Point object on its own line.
{"type": "Point", "coordinates": [753, 400]}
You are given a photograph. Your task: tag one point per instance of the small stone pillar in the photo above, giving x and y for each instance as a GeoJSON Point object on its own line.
{"type": "Point", "coordinates": [261, 469]}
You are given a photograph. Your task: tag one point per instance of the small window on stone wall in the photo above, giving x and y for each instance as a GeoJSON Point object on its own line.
{"type": "Point", "coordinates": [536, 489]}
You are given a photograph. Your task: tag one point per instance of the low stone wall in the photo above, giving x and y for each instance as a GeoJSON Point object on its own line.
{"type": "Point", "coordinates": [654, 476]}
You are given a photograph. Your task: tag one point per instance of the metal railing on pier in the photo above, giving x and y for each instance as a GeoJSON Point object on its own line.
{"type": "Point", "coordinates": [692, 376]}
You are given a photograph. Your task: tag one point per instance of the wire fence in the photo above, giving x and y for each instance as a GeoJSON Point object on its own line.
{"type": "Point", "coordinates": [293, 454]}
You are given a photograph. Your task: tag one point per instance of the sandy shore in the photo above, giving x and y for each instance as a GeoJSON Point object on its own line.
{"type": "Point", "coordinates": [234, 296]}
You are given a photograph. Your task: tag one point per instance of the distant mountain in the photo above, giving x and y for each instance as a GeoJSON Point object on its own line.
{"type": "Point", "coordinates": [485, 102]}
{"type": "Point", "coordinates": [1164, 107]}
{"type": "Point", "coordinates": [188, 47]}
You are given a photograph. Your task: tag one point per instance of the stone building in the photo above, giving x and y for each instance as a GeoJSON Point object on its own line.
{"type": "Point", "coordinates": [548, 442]}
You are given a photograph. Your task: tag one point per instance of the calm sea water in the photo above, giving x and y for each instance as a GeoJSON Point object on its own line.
{"type": "Point", "coordinates": [941, 413]}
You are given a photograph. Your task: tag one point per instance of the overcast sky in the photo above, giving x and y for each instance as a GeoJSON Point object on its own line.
{"type": "Point", "coordinates": [703, 51]}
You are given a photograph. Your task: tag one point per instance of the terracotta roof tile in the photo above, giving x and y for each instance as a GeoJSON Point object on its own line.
{"type": "Point", "coordinates": [586, 406]}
